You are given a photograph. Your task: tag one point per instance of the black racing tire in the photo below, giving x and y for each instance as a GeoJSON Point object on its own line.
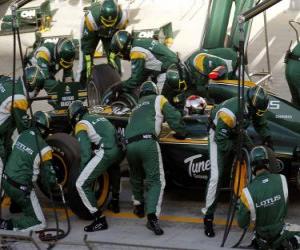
{"type": "Point", "coordinates": [101, 188]}
{"type": "Point", "coordinates": [103, 77]}
{"type": "Point", "coordinates": [124, 100]}
{"type": "Point", "coordinates": [66, 155]}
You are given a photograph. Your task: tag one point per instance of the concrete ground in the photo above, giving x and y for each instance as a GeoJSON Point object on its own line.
{"type": "Point", "coordinates": [181, 217]}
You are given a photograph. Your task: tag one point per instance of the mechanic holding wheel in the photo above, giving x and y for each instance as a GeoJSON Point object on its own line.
{"type": "Point", "coordinates": [149, 59]}
{"type": "Point", "coordinates": [16, 117]}
{"type": "Point", "coordinates": [52, 57]}
{"type": "Point", "coordinates": [95, 131]}
{"type": "Point", "coordinates": [100, 23]}
{"type": "Point", "coordinates": [143, 151]}
{"type": "Point", "coordinates": [23, 167]}
{"type": "Point", "coordinates": [223, 136]}
{"type": "Point", "coordinates": [264, 203]}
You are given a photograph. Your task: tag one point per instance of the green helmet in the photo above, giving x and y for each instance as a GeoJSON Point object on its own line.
{"type": "Point", "coordinates": [148, 88]}
{"type": "Point", "coordinates": [75, 112]}
{"type": "Point", "coordinates": [262, 157]}
{"type": "Point", "coordinates": [121, 43]}
{"type": "Point", "coordinates": [258, 100]}
{"type": "Point", "coordinates": [109, 13]}
{"type": "Point", "coordinates": [65, 50]}
{"type": "Point", "coordinates": [34, 78]}
{"type": "Point", "coordinates": [42, 122]}
{"type": "Point", "coordinates": [173, 78]}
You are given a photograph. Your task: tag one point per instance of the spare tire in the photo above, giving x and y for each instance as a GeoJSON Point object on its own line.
{"type": "Point", "coordinates": [101, 188]}
{"type": "Point", "coordinates": [103, 77]}
{"type": "Point", "coordinates": [66, 155]}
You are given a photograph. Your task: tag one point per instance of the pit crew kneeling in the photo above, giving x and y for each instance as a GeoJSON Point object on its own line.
{"type": "Point", "coordinates": [143, 150]}
{"type": "Point", "coordinates": [22, 169]}
{"type": "Point", "coordinates": [264, 203]}
{"type": "Point", "coordinates": [95, 130]}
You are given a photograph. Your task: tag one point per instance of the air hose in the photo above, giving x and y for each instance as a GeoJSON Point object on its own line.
{"type": "Point", "coordinates": [47, 234]}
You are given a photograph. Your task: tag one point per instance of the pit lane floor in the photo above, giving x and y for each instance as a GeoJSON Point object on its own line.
{"type": "Point", "coordinates": [181, 217]}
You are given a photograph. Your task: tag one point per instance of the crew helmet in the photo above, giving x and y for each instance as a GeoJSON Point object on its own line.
{"type": "Point", "coordinates": [75, 111]}
{"type": "Point", "coordinates": [34, 78]}
{"type": "Point", "coordinates": [195, 104]}
{"type": "Point", "coordinates": [173, 78]}
{"type": "Point", "coordinates": [109, 13]}
{"type": "Point", "coordinates": [66, 53]}
{"type": "Point", "coordinates": [258, 100]}
{"type": "Point", "coordinates": [42, 122]}
{"type": "Point", "coordinates": [262, 157]}
{"type": "Point", "coordinates": [148, 88]}
{"type": "Point", "coordinates": [121, 43]}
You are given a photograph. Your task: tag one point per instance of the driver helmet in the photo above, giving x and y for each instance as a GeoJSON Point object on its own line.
{"type": "Point", "coordinates": [195, 104]}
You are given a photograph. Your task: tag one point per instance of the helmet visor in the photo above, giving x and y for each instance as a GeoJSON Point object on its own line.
{"type": "Point", "coordinates": [260, 112]}
{"type": "Point", "coordinates": [108, 23]}
{"type": "Point", "coordinates": [65, 64]}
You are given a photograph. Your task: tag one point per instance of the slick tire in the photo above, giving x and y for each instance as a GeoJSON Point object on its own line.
{"type": "Point", "coordinates": [101, 188]}
{"type": "Point", "coordinates": [66, 155]}
{"type": "Point", "coordinates": [124, 100]}
{"type": "Point", "coordinates": [103, 77]}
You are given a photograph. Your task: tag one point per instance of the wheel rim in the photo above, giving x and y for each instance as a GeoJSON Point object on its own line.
{"type": "Point", "coordinates": [93, 95]}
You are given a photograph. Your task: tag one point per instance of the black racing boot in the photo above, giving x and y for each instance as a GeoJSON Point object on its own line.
{"type": "Point", "coordinates": [98, 224]}
{"type": "Point", "coordinates": [6, 224]}
{"type": "Point", "coordinates": [208, 226]}
{"type": "Point", "coordinates": [14, 208]}
{"type": "Point", "coordinates": [114, 206]}
{"type": "Point", "coordinates": [153, 224]}
{"type": "Point", "coordinates": [139, 210]}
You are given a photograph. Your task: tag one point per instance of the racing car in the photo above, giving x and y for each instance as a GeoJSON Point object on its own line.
{"type": "Point", "coordinates": [186, 161]}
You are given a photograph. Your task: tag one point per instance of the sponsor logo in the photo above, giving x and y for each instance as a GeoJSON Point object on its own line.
{"type": "Point", "coordinates": [23, 148]}
{"type": "Point", "coordinates": [268, 202]}
{"type": "Point", "coordinates": [146, 34]}
{"type": "Point", "coordinates": [141, 105]}
{"type": "Point", "coordinates": [284, 116]}
{"type": "Point", "coordinates": [196, 166]}
{"type": "Point", "coordinates": [274, 104]}
{"type": "Point", "coordinates": [51, 40]}
{"type": "Point", "coordinates": [66, 101]}
{"type": "Point", "coordinates": [28, 14]}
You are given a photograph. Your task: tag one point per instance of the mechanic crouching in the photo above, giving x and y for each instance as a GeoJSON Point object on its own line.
{"type": "Point", "coordinates": [52, 57]}
{"type": "Point", "coordinates": [93, 130]}
{"type": "Point", "coordinates": [264, 203]}
{"type": "Point", "coordinates": [149, 59]}
{"type": "Point", "coordinates": [143, 150]}
{"type": "Point", "coordinates": [223, 136]}
{"type": "Point", "coordinates": [30, 157]}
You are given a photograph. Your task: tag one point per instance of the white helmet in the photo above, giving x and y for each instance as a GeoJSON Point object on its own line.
{"type": "Point", "coordinates": [195, 104]}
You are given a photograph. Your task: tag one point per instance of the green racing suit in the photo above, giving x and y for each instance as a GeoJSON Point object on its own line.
{"type": "Point", "coordinates": [10, 119]}
{"type": "Point", "coordinates": [23, 168]}
{"type": "Point", "coordinates": [149, 58]}
{"type": "Point", "coordinates": [264, 203]}
{"type": "Point", "coordinates": [222, 140]}
{"type": "Point", "coordinates": [96, 131]}
{"type": "Point", "coordinates": [92, 31]}
{"type": "Point", "coordinates": [45, 56]}
{"type": "Point", "coordinates": [143, 154]}
{"type": "Point", "coordinates": [203, 61]}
